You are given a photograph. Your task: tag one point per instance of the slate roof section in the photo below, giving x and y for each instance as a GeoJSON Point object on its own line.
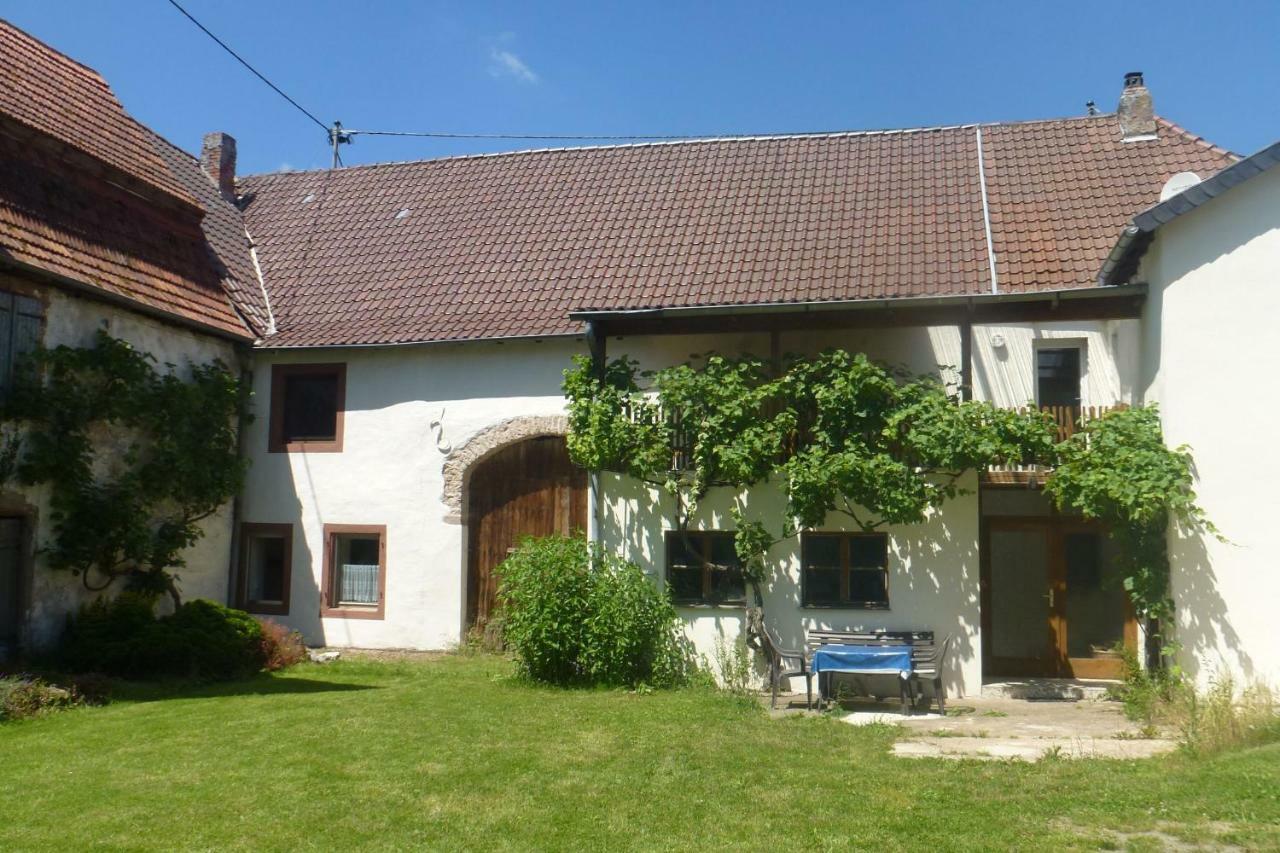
{"type": "Point", "coordinates": [57, 96]}
{"type": "Point", "coordinates": [507, 245]}
{"type": "Point", "coordinates": [226, 242]}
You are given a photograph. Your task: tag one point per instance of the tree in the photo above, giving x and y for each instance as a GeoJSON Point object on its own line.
{"type": "Point", "coordinates": [134, 458]}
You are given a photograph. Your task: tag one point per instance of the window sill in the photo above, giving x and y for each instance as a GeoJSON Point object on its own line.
{"type": "Point", "coordinates": [844, 607]}
{"type": "Point", "coordinates": [265, 609]}
{"type": "Point", "coordinates": [330, 446]}
{"type": "Point", "coordinates": [351, 612]}
{"type": "Point", "coordinates": [707, 605]}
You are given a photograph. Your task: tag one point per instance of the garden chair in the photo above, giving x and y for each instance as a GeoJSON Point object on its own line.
{"type": "Point", "coordinates": [784, 664]}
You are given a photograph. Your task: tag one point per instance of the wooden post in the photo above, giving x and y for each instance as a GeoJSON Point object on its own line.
{"type": "Point", "coordinates": [966, 356]}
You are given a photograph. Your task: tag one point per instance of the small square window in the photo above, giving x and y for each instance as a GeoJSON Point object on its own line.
{"type": "Point", "coordinates": [355, 571]}
{"type": "Point", "coordinates": [266, 562]}
{"type": "Point", "coordinates": [845, 570]}
{"type": "Point", "coordinates": [307, 402]}
{"type": "Point", "coordinates": [1058, 373]}
{"type": "Point", "coordinates": [703, 568]}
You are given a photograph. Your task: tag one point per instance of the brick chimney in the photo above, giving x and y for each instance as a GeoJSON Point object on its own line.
{"type": "Point", "coordinates": [1136, 113]}
{"type": "Point", "coordinates": [218, 159]}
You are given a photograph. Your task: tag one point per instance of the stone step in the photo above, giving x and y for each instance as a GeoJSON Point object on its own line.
{"type": "Point", "coordinates": [1048, 689]}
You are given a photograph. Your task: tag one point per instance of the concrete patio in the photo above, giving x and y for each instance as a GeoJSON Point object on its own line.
{"type": "Point", "coordinates": [995, 727]}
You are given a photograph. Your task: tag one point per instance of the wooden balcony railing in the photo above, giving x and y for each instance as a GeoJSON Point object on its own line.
{"type": "Point", "coordinates": [1069, 420]}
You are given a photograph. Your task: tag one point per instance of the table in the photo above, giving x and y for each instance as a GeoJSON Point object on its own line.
{"type": "Point", "coordinates": [863, 660]}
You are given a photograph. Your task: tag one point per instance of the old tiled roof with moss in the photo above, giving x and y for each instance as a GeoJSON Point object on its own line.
{"type": "Point", "coordinates": [507, 245]}
{"type": "Point", "coordinates": [87, 197]}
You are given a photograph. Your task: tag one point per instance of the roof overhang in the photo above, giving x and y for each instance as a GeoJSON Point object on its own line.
{"type": "Point", "coordinates": [1081, 303]}
{"type": "Point", "coordinates": [1122, 262]}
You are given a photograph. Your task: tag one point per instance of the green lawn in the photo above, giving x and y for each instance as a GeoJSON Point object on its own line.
{"type": "Point", "coordinates": [454, 753]}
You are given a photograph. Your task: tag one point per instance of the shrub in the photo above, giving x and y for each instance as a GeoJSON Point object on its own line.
{"type": "Point", "coordinates": [281, 647]}
{"type": "Point", "coordinates": [575, 615]}
{"type": "Point", "coordinates": [201, 640]}
{"type": "Point", "coordinates": [24, 696]}
{"type": "Point", "coordinates": [1208, 722]}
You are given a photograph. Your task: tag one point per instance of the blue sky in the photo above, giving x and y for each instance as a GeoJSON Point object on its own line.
{"type": "Point", "coordinates": [658, 67]}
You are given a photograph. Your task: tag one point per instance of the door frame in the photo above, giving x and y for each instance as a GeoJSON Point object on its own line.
{"type": "Point", "coordinates": [1054, 663]}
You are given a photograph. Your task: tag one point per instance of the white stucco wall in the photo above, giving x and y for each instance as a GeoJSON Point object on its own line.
{"type": "Point", "coordinates": [1208, 354]}
{"type": "Point", "coordinates": [75, 321]}
{"type": "Point", "coordinates": [390, 472]}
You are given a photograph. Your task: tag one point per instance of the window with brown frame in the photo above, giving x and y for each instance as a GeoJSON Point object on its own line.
{"type": "Point", "coordinates": [703, 568]}
{"type": "Point", "coordinates": [845, 570]}
{"type": "Point", "coordinates": [266, 564]}
{"type": "Point", "coordinates": [307, 402]}
{"type": "Point", "coordinates": [355, 571]}
{"type": "Point", "coordinates": [21, 323]}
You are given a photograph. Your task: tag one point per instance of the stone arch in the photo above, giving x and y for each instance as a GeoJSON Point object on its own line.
{"type": "Point", "coordinates": [485, 443]}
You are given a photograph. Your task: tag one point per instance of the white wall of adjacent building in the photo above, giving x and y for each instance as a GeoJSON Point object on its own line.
{"type": "Point", "coordinates": [1208, 360]}
{"type": "Point", "coordinates": [50, 596]}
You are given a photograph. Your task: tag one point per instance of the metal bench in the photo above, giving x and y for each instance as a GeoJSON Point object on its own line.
{"type": "Point", "coordinates": [927, 659]}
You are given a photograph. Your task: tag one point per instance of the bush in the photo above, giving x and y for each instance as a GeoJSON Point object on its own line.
{"type": "Point", "coordinates": [281, 647]}
{"type": "Point", "coordinates": [1218, 719]}
{"type": "Point", "coordinates": [201, 640]}
{"type": "Point", "coordinates": [575, 615]}
{"type": "Point", "coordinates": [23, 696]}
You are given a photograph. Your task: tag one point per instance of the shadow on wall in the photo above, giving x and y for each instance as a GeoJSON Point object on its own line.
{"type": "Point", "coordinates": [933, 571]}
{"type": "Point", "coordinates": [1203, 624]}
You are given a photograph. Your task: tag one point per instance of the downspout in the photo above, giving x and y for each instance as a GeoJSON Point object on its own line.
{"type": "Point", "coordinates": [596, 346]}
{"type": "Point", "coordinates": [233, 559]}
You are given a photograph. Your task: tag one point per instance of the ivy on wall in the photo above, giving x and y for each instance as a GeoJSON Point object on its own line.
{"type": "Point", "coordinates": [844, 434]}
{"type": "Point", "coordinates": [134, 457]}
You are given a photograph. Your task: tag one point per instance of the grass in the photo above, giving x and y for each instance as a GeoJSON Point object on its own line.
{"type": "Point", "coordinates": [455, 753]}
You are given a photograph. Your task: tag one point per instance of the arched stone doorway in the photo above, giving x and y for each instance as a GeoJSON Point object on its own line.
{"type": "Point", "coordinates": [528, 488]}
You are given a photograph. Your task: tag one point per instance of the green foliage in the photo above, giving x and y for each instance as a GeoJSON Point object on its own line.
{"type": "Point", "coordinates": [136, 457]}
{"type": "Point", "coordinates": [847, 434]}
{"type": "Point", "coordinates": [1118, 469]}
{"type": "Point", "coordinates": [573, 615]}
{"type": "Point", "coordinates": [850, 436]}
{"type": "Point", "coordinates": [200, 640]}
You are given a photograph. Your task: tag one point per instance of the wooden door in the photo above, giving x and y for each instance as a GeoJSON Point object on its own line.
{"type": "Point", "coordinates": [11, 540]}
{"type": "Point", "coordinates": [1049, 604]}
{"type": "Point", "coordinates": [528, 489]}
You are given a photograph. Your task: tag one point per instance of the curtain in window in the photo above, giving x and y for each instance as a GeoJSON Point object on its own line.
{"type": "Point", "coordinates": [359, 584]}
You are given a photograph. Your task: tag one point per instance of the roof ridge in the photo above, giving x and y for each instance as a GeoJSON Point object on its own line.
{"type": "Point", "coordinates": [760, 137]}
{"type": "Point", "coordinates": [1197, 139]}
{"type": "Point", "coordinates": [55, 52]}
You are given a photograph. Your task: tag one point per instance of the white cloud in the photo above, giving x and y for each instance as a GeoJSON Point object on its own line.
{"type": "Point", "coordinates": [504, 63]}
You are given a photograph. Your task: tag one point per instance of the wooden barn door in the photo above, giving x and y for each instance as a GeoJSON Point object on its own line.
{"type": "Point", "coordinates": [528, 489]}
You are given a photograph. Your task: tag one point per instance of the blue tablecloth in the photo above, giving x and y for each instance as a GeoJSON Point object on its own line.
{"type": "Point", "coordinates": [840, 658]}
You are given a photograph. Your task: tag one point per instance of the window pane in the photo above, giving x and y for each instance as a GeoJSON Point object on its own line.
{"type": "Point", "coordinates": [683, 550]}
{"type": "Point", "coordinates": [728, 586]}
{"type": "Point", "coordinates": [310, 407]}
{"type": "Point", "coordinates": [685, 584]}
{"type": "Point", "coordinates": [1058, 376]}
{"type": "Point", "coordinates": [357, 569]}
{"type": "Point", "coordinates": [265, 583]}
{"type": "Point", "coordinates": [821, 586]}
{"type": "Point", "coordinates": [868, 551]}
{"type": "Point", "coordinates": [823, 551]}
{"type": "Point", "coordinates": [722, 551]}
{"type": "Point", "coordinates": [867, 587]}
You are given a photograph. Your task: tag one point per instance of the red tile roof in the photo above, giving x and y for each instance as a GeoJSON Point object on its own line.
{"type": "Point", "coordinates": [85, 195]}
{"type": "Point", "coordinates": [57, 96]}
{"type": "Point", "coordinates": [507, 245]}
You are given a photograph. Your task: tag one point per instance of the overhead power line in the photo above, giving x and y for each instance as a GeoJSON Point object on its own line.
{"type": "Point", "coordinates": [246, 64]}
{"type": "Point", "coordinates": [338, 135]}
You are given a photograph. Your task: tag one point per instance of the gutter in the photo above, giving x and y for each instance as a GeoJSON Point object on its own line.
{"type": "Point", "coordinates": [829, 306]}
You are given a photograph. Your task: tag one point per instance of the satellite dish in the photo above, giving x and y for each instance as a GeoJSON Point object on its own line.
{"type": "Point", "coordinates": [1178, 183]}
